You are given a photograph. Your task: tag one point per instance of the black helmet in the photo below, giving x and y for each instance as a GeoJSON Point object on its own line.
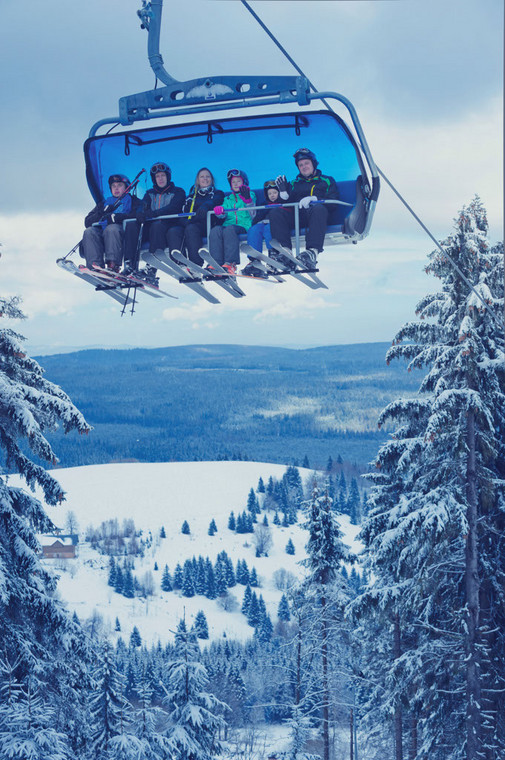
{"type": "Point", "coordinates": [119, 178]}
{"type": "Point", "coordinates": [161, 166]}
{"type": "Point", "coordinates": [305, 153]}
{"type": "Point", "coordinates": [237, 173]}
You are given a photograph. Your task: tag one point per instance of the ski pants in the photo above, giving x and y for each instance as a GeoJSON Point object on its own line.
{"type": "Point", "coordinates": [103, 244]}
{"type": "Point", "coordinates": [163, 233]}
{"type": "Point", "coordinates": [314, 219]}
{"type": "Point", "coordinates": [191, 238]}
{"type": "Point", "coordinates": [224, 243]}
{"type": "Point", "coordinates": [257, 234]}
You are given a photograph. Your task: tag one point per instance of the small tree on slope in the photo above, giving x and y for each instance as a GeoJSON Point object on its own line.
{"type": "Point", "coordinates": [434, 537]}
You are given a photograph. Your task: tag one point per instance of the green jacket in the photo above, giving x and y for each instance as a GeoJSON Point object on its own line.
{"type": "Point", "coordinates": [242, 217]}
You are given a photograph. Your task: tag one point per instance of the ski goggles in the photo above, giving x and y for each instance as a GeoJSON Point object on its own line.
{"type": "Point", "coordinates": [270, 184]}
{"type": "Point", "coordinates": [233, 173]}
{"type": "Point", "coordinates": [160, 168]}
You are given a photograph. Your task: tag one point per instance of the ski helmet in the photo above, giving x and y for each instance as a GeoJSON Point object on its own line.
{"type": "Point", "coordinates": [118, 178]}
{"type": "Point", "coordinates": [237, 173]}
{"type": "Point", "coordinates": [305, 153]}
{"type": "Point", "coordinates": [161, 166]}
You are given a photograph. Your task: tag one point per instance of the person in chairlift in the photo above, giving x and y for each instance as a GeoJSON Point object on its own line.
{"type": "Point", "coordinates": [102, 242]}
{"type": "Point", "coordinates": [260, 231]}
{"type": "Point", "coordinates": [202, 197]}
{"type": "Point", "coordinates": [308, 187]}
{"type": "Point", "coordinates": [163, 199]}
{"type": "Point", "coordinates": [224, 241]}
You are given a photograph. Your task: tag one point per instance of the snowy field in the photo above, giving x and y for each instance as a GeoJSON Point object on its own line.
{"type": "Point", "coordinates": [166, 494]}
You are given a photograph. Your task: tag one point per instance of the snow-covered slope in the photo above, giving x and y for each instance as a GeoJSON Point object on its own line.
{"type": "Point", "coordinates": [166, 494]}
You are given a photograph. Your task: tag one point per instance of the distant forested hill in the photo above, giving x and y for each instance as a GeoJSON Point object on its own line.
{"type": "Point", "coordinates": [228, 402]}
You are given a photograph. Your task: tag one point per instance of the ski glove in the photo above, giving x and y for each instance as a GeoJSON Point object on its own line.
{"type": "Point", "coordinates": [245, 193]}
{"type": "Point", "coordinates": [282, 183]}
{"type": "Point", "coordinates": [305, 202]}
{"type": "Point", "coordinates": [218, 210]}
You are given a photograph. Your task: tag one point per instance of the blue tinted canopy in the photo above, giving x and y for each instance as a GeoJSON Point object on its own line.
{"type": "Point", "coordinates": [263, 146]}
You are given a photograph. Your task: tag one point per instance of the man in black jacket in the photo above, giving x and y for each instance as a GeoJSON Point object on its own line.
{"type": "Point", "coordinates": [163, 199]}
{"type": "Point", "coordinates": [102, 241]}
{"type": "Point", "coordinates": [309, 186]}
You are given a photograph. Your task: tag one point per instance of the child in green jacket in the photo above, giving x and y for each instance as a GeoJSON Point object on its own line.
{"type": "Point", "coordinates": [224, 242]}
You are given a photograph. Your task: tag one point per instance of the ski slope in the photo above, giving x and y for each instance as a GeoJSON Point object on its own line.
{"type": "Point", "coordinates": [167, 494]}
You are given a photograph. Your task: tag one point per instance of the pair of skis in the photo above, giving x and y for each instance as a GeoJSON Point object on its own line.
{"type": "Point", "coordinates": [113, 284]}
{"type": "Point", "coordinates": [273, 267]}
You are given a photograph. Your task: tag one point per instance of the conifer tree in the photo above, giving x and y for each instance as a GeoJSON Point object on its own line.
{"type": "Point", "coordinates": [178, 577]}
{"type": "Point", "coordinates": [166, 580]}
{"type": "Point", "coordinates": [253, 578]}
{"type": "Point", "coordinates": [231, 521]}
{"type": "Point", "coordinates": [290, 547]}
{"type": "Point", "coordinates": [36, 631]}
{"type": "Point", "coordinates": [326, 553]}
{"type": "Point", "coordinates": [283, 612]}
{"type": "Point", "coordinates": [247, 600]}
{"type": "Point", "coordinates": [261, 486]}
{"type": "Point", "coordinates": [110, 711]}
{"type": "Point", "coordinates": [128, 585]}
{"type": "Point", "coordinates": [194, 712]}
{"type": "Point", "coordinates": [185, 530]}
{"type": "Point", "coordinates": [162, 532]}
{"type": "Point", "coordinates": [436, 512]}
{"type": "Point", "coordinates": [135, 637]}
{"type": "Point", "coordinates": [188, 583]}
{"type": "Point", "coordinates": [112, 572]}
{"type": "Point", "coordinates": [117, 625]}
{"type": "Point", "coordinates": [212, 528]}
{"type": "Point", "coordinates": [201, 626]}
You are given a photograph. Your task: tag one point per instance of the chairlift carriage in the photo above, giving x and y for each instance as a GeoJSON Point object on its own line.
{"type": "Point", "coordinates": [189, 133]}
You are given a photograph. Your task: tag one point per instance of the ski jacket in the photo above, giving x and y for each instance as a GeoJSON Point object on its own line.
{"type": "Point", "coordinates": [321, 186]}
{"type": "Point", "coordinates": [263, 214]}
{"type": "Point", "coordinates": [242, 216]}
{"type": "Point", "coordinates": [126, 209]}
{"type": "Point", "coordinates": [168, 200]}
{"type": "Point", "coordinates": [201, 201]}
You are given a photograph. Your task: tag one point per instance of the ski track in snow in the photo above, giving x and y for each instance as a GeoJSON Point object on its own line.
{"type": "Point", "coordinates": [165, 494]}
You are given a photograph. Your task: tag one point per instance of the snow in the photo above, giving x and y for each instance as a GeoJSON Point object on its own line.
{"type": "Point", "coordinates": [156, 494]}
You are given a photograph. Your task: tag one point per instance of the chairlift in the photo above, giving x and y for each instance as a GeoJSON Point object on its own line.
{"type": "Point", "coordinates": [262, 144]}
{"type": "Point", "coordinates": [193, 131]}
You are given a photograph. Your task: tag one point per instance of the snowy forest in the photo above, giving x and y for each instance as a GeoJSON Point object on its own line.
{"type": "Point", "coordinates": [406, 663]}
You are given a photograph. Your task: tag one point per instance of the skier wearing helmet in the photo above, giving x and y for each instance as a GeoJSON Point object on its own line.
{"type": "Point", "coordinates": [224, 241]}
{"type": "Point", "coordinates": [102, 242]}
{"type": "Point", "coordinates": [309, 186]}
{"type": "Point", "coordinates": [163, 199]}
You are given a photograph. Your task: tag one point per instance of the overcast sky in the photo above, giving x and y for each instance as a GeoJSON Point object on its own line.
{"type": "Point", "coordinates": [424, 75]}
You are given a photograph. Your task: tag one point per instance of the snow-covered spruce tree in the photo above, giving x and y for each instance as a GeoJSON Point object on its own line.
{"type": "Point", "coordinates": [111, 713]}
{"type": "Point", "coordinates": [36, 632]}
{"type": "Point", "coordinates": [325, 586]}
{"type": "Point", "coordinates": [434, 537]}
{"type": "Point", "coordinates": [195, 722]}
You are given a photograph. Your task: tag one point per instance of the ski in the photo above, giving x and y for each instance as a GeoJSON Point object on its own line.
{"type": "Point", "coordinates": [314, 281]}
{"type": "Point", "coordinates": [260, 262]}
{"type": "Point", "coordinates": [197, 269]}
{"type": "Point", "coordinates": [133, 281]}
{"type": "Point", "coordinates": [113, 291]}
{"type": "Point", "coordinates": [227, 282]}
{"type": "Point", "coordinates": [159, 260]}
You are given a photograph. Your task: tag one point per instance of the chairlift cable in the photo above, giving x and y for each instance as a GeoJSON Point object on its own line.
{"type": "Point", "coordinates": [396, 192]}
